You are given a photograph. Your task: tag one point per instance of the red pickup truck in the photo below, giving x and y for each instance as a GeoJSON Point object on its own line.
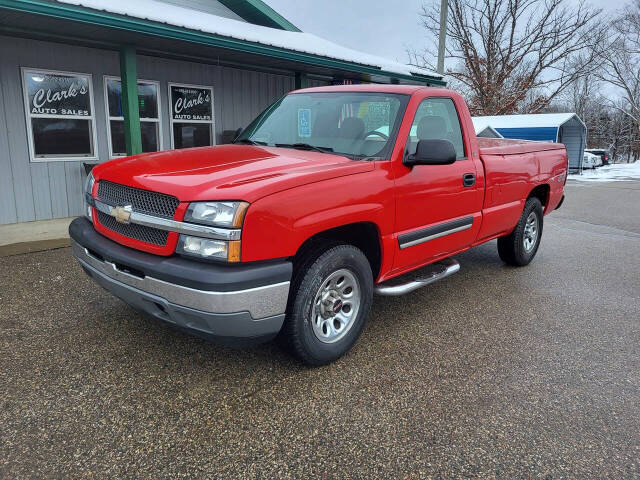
{"type": "Point", "coordinates": [331, 195]}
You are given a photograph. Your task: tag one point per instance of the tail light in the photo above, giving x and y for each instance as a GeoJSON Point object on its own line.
{"type": "Point", "coordinates": [606, 157]}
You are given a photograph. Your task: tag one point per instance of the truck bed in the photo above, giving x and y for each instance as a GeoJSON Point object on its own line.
{"type": "Point", "coordinates": [512, 168]}
{"type": "Point", "coordinates": [505, 146]}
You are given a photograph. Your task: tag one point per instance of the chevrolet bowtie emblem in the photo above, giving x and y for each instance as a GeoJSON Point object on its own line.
{"type": "Point", "coordinates": [121, 214]}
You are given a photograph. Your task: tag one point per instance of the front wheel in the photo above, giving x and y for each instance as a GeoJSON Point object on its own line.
{"type": "Point", "coordinates": [520, 246]}
{"type": "Point", "coordinates": [329, 304]}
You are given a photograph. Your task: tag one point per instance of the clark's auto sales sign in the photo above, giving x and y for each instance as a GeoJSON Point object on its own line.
{"type": "Point", "coordinates": [56, 94]}
{"type": "Point", "coordinates": [191, 103]}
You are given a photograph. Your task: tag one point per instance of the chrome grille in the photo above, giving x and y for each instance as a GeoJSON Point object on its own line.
{"type": "Point", "coordinates": [131, 230]}
{"type": "Point", "coordinates": [142, 201]}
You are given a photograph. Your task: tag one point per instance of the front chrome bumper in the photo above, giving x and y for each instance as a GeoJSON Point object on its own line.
{"type": "Point", "coordinates": [259, 302]}
{"type": "Point", "coordinates": [237, 305]}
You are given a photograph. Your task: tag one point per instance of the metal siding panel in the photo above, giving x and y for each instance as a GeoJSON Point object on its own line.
{"type": "Point", "coordinates": [255, 94]}
{"type": "Point", "coordinates": [223, 102]}
{"type": "Point", "coordinates": [7, 195]}
{"type": "Point", "coordinates": [572, 136]}
{"type": "Point", "coordinates": [41, 191]}
{"type": "Point", "coordinates": [237, 98]}
{"type": "Point", "coordinates": [265, 98]}
{"type": "Point", "coordinates": [246, 98]}
{"type": "Point", "coordinates": [75, 185]}
{"type": "Point", "coordinates": [240, 95]}
{"type": "Point", "coordinates": [58, 189]}
{"type": "Point", "coordinates": [12, 51]}
{"type": "Point", "coordinates": [227, 93]}
{"type": "Point", "coordinates": [271, 86]}
{"type": "Point", "coordinates": [218, 103]}
{"type": "Point", "coordinates": [548, 134]}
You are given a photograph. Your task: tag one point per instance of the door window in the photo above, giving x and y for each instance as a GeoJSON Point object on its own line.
{"type": "Point", "coordinates": [436, 119]}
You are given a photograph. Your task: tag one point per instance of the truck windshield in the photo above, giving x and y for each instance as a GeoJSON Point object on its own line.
{"type": "Point", "coordinates": [356, 124]}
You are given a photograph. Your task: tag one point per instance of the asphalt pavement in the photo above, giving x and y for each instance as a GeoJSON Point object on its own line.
{"type": "Point", "coordinates": [495, 372]}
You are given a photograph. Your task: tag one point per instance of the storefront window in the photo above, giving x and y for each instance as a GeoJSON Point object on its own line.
{"type": "Point", "coordinates": [60, 118]}
{"type": "Point", "coordinates": [149, 108]}
{"type": "Point", "coordinates": [191, 115]}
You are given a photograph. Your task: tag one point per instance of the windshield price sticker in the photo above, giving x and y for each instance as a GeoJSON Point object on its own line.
{"type": "Point", "coordinates": [304, 122]}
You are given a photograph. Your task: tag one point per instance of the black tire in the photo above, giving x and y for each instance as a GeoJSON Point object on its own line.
{"type": "Point", "coordinates": [511, 248]}
{"type": "Point", "coordinates": [310, 274]}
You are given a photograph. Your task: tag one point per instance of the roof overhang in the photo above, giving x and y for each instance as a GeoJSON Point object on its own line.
{"type": "Point", "coordinates": [50, 20]}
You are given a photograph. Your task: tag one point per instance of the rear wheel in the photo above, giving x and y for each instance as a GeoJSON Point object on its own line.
{"type": "Point", "coordinates": [520, 246]}
{"type": "Point", "coordinates": [329, 304]}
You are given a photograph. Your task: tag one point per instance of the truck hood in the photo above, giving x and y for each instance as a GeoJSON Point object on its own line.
{"type": "Point", "coordinates": [228, 172]}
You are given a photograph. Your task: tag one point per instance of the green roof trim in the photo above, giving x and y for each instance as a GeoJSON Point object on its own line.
{"type": "Point", "coordinates": [138, 25]}
{"type": "Point", "coordinates": [258, 12]}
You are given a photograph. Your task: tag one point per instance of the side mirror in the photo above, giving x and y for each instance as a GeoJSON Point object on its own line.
{"type": "Point", "coordinates": [432, 152]}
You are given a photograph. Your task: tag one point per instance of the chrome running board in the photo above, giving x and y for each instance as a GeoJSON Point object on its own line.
{"type": "Point", "coordinates": [419, 278]}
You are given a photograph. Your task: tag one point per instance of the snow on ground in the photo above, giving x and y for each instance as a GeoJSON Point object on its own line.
{"type": "Point", "coordinates": [610, 173]}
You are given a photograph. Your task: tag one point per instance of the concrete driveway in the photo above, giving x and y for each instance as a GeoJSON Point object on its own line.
{"type": "Point", "coordinates": [495, 372]}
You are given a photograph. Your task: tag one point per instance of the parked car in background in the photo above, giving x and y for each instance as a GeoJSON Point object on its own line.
{"type": "Point", "coordinates": [603, 153]}
{"type": "Point", "coordinates": [290, 230]}
{"type": "Point", "coordinates": [589, 161]}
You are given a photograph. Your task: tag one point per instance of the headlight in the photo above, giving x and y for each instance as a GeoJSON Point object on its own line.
{"type": "Point", "coordinates": [88, 183]}
{"type": "Point", "coordinates": [217, 214]}
{"type": "Point", "coordinates": [208, 248]}
{"type": "Point", "coordinates": [88, 188]}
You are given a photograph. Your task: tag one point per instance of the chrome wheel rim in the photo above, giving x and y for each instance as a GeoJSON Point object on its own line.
{"type": "Point", "coordinates": [335, 306]}
{"type": "Point", "coordinates": [530, 232]}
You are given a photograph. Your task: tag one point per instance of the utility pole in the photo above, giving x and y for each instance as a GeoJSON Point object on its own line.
{"type": "Point", "coordinates": [444, 5]}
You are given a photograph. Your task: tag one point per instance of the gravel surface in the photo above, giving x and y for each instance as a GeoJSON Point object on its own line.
{"type": "Point", "coordinates": [495, 372]}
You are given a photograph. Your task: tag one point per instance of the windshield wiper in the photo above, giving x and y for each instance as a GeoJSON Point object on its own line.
{"type": "Point", "coordinates": [250, 142]}
{"type": "Point", "coordinates": [305, 146]}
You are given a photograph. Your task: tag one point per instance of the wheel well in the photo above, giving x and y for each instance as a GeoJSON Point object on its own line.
{"type": "Point", "coordinates": [362, 235]}
{"type": "Point", "coordinates": [541, 192]}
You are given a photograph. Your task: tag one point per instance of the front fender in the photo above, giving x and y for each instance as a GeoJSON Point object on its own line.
{"type": "Point", "coordinates": [277, 225]}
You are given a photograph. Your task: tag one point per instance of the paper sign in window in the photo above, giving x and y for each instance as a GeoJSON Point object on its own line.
{"type": "Point", "coordinates": [304, 122]}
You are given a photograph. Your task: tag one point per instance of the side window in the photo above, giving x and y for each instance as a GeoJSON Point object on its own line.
{"type": "Point", "coordinates": [436, 119]}
{"type": "Point", "coordinates": [191, 115]}
{"type": "Point", "coordinates": [149, 108]}
{"type": "Point", "coordinates": [60, 115]}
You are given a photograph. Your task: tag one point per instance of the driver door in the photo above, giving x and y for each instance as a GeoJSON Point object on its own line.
{"type": "Point", "coordinates": [438, 207]}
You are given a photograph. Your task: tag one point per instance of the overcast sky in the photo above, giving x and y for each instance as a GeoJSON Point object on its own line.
{"type": "Point", "coordinates": [380, 27]}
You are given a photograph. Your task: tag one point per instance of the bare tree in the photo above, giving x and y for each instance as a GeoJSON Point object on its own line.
{"type": "Point", "coordinates": [620, 56]}
{"type": "Point", "coordinates": [513, 55]}
{"type": "Point", "coordinates": [606, 127]}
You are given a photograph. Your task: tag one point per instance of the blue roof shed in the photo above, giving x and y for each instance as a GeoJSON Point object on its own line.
{"type": "Point", "coordinates": [566, 128]}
